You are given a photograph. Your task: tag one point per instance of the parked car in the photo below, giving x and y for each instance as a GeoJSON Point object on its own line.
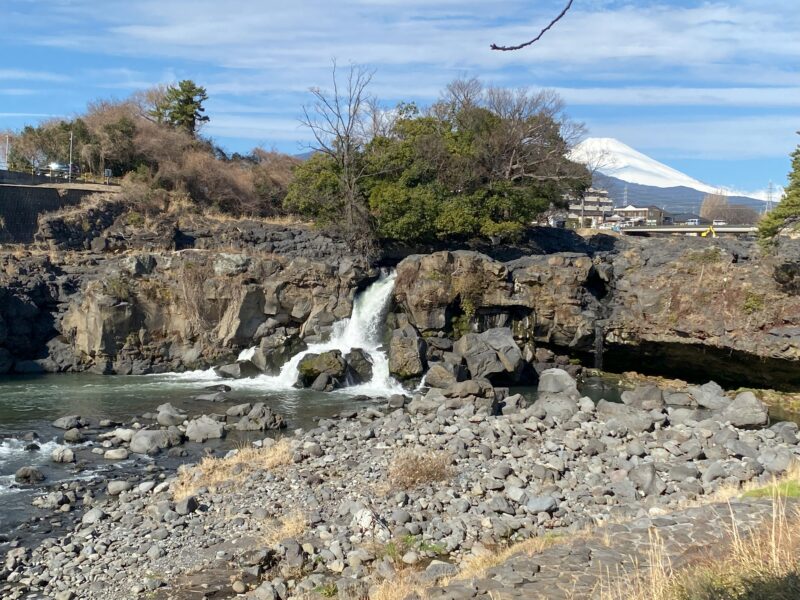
{"type": "Point", "coordinates": [719, 222]}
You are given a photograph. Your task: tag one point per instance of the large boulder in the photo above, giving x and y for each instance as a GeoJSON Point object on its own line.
{"type": "Point", "coordinates": [558, 407]}
{"type": "Point", "coordinates": [241, 369]}
{"type": "Point", "coordinates": [709, 395]}
{"type": "Point", "coordinates": [623, 419]}
{"type": "Point", "coordinates": [312, 366]}
{"type": "Point", "coordinates": [442, 375]}
{"type": "Point", "coordinates": [557, 381]}
{"type": "Point", "coordinates": [493, 355]}
{"type": "Point", "coordinates": [359, 366]}
{"type": "Point", "coordinates": [152, 441]}
{"type": "Point", "coordinates": [28, 475]}
{"type": "Point", "coordinates": [275, 350]}
{"type": "Point", "coordinates": [204, 428]}
{"type": "Point", "coordinates": [169, 415]}
{"type": "Point", "coordinates": [407, 352]}
{"type": "Point", "coordinates": [645, 397]}
{"type": "Point", "coordinates": [63, 454]}
{"type": "Point", "coordinates": [261, 417]}
{"type": "Point", "coordinates": [475, 392]}
{"type": "Point", "coordinates": [745, 411]}
{"type": "Point", "coordinates": [68, 422]}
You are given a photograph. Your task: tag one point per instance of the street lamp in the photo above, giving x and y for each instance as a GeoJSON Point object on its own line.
{"type": "Point", "coordinates": [69, 173]}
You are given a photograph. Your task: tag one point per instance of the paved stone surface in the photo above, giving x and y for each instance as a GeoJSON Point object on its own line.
{"type": "Point", "coordinates": [582, 567]}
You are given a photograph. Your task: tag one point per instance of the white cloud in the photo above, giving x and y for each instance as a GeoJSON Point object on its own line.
{"type": "Point", "coordinates": [683, 96]}
{"type": "Point", "coordinates": [24, 75]}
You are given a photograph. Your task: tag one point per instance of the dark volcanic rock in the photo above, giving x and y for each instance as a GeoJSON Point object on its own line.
{"type": "Point", "coordinates": [241, 369]}
{"type": "Point", "coordinates": [331, 364]}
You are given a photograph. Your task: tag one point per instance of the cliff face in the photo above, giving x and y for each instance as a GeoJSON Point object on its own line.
{"type": "Point", "coordinates": [714, 305]}
{"type": "Point", "coordinates": [687, 304]}
{"type": "Point", "coordinates": [184, 292]}
{"type": "Point", "coordinates": [194, 308]}
{"type": "Point", "coordinates": [135, 304]}
{"type": "Point", "coordinates": [546, 299]}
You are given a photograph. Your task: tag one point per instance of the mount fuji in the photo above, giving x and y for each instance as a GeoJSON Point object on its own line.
{"type": "Point", "coordinates": [630, 175]}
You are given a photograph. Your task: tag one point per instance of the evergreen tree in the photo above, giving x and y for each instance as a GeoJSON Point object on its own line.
{"type": "Point", "coordinates": [789, 207]}
{"type": "Point", "coordinates": [182, 106]}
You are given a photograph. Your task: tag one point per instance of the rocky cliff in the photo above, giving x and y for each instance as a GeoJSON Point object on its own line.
{"type": "Point", "coordinates": [114, 291]}
{"type": "Point", "coordinates": [696, 306]}
{"type": "Point", "coordinates": [133, 303]}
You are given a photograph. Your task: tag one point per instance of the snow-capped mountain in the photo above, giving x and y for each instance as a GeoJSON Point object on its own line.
{"type": "Point", "coordinates": [630, 175]}
{"type": "Point", "coordinates": [615, 159]}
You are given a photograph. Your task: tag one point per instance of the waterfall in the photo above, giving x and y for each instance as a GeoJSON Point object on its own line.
{"type": "Point", "coordinates": [361, 330]}
{"type": "Point", "coordinates": [599, 335]}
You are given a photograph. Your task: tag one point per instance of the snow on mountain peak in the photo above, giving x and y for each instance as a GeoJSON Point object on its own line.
{"type": "Point", "coordinates": [611, 157]}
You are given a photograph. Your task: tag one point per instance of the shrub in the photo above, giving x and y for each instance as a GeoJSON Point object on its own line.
{"type": "Point", "coordinates": [412, 468]}
{"type": "Point", "coordinates": [753, 302]}
{"type": "Point", "coordinates": [119, 288]}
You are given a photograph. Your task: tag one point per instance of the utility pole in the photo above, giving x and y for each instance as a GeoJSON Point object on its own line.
{"type": "Point", "coordinates": [69, 174]}
{"type": "Point", "coordinates": [8, 165]}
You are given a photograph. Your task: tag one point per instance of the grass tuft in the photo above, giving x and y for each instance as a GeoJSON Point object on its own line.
{"type": "Point", "coordinates": [290, 526]}
{"type": "Point", "coordinates": [757, 564]}
{"type": "Point", "coordinates": [411, 468]}
{"type": "Point", "coordinates": [212, 472]}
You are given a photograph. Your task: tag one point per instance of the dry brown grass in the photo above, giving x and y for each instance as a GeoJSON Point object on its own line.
{"type": "Point", "coordinates": [284, 220]}
{"type": "Point", "coordinates": [476, 566]}
{"type": "Point", "coordinates": [213, 472]}
{"type": "Point", "coordinates": [756, 564]}
{"type": "Point", "coordinates": [292, 525]}
{"type": "Point", "coordinates": [404, 585]}
{"type": "Point", "coordinates": [411, 468]}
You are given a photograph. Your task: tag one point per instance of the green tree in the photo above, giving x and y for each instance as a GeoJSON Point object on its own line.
{"type": "Point", "coordinates": [182, 106]}
{"type": "Point", "coordinates": [479, 163]}
{"type": "Point", "coordinates": [789, 207]}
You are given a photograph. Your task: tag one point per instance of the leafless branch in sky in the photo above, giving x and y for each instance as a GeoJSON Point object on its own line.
{"type": "Point", "coordinates": [538, 37]}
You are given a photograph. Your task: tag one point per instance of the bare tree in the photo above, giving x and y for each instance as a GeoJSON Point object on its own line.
{"type": "Point", "coordinates": [713, 207]}
{"type": "Point", "coordinates": [538, 37]}
{"type": "Point", "coordinates": [716, 207]}
{"type": "Point", "coordinates": [532, 138]}
{"type": "Point", "coordinates": [340, 123]}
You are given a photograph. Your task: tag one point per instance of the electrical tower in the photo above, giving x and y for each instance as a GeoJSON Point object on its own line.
{"type": "Point", "coordinates": [770, 192]}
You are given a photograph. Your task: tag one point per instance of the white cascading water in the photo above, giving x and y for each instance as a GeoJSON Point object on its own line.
{"type": "Point", "coordinates": [362, 330]}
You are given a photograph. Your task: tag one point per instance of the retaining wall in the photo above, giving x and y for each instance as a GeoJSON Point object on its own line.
{"type": "Point", "coordinates": [20, 207]}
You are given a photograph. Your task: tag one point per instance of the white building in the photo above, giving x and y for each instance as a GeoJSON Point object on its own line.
{"type": "Point", "coordinates": [592, 209]}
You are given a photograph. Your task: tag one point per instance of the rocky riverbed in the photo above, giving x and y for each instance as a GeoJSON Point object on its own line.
{"type": "Point", "coordinates": [422, 482]}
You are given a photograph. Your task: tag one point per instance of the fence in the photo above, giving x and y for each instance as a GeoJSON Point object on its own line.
{"type": "Point", "coordinates": [21, 206]}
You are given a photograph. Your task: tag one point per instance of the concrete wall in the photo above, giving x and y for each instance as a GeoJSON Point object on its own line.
{"type": "Point", "coordinates": [19, 178]}
{"type": "Point", "coordinates": [20, 207]}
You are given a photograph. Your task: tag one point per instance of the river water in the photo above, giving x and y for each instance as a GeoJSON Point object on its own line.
{"type": "Point", "coordinates": [29, 405]}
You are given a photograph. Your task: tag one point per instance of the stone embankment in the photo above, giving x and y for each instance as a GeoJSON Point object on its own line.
{"type": "Point", "coordinates": [423, 483]}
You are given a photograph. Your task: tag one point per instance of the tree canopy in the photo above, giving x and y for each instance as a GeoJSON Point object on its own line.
{"type": "Point", "coordinates": [787, 209]}
{"type": "Point", "coordinates": [480, 162]}
{"type": "Point", "coordinates": [182, 106]}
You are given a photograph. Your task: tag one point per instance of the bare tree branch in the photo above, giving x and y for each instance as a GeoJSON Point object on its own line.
{"type": "Point", "coordinates": [538, 37]}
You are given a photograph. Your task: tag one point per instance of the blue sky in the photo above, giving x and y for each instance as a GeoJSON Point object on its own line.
{"type": "Point", "coordinates": [710, 88]}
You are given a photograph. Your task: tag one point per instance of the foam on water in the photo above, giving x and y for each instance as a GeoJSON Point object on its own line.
{"type": "Point", "coordinates": [12, 448]}
{"type": "Point", "coordinates": [362, 330]}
